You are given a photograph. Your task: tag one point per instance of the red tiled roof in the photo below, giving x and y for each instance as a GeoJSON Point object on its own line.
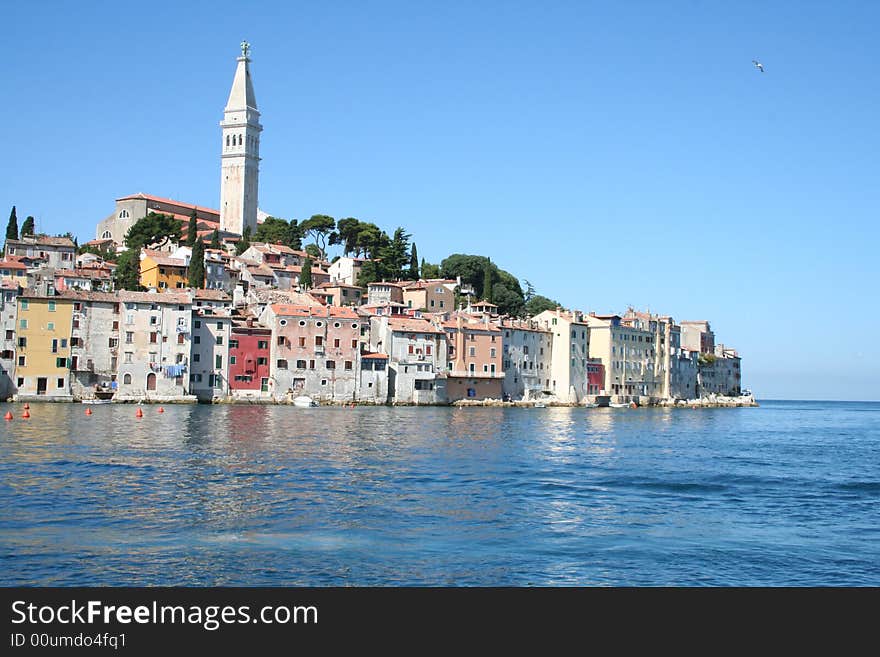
{"type": "Point", "coordinates": [376, 356]}
{"type": "Point", "coordinates": [163, 259]}
{"type": "Point", "coordinates": [288, 310]}
{"type": "Point", "coordinates": [9, 263]}
{"type": "Point", "coordinates": [411, 325]}
{"type": "Point", "coordinates": [159, 199]}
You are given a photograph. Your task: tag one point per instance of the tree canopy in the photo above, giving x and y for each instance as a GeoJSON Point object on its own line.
{"type": "Point", "coordinates": [320, 227]}
{"type": "Point", "coordinates": [12, 226]}
{"type": "Point", "coordinates": [27, 228]}
{"type": "Point", "coordinates": [478, 272]}
{"type": "Point", "coordinates": [196, 273]}
{"type": "Point", "coordinates": [192, 230]}
{"type": "Point", "coordinates": [538, 304]}
{"type": "Point", "coordinates": [305, 276]}
{"type": "Point", "coordinates": [275, 230]}
{"type": "Point", "coordinates": [128, 270]}
{"type": "Point", "coordinates": [153, 231]}
{"type": "Point", "coordinates": [215, 239]}
{"type": "Point", "coordinates": [245, 242]}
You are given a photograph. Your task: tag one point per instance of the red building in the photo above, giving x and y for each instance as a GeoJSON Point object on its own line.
{"type": "Point", "coordinates": [595, 376]}
{"type": "Point", "coordinates": [249, 359]}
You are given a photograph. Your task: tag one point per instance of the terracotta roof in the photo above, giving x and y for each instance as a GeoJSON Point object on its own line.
{"type": "Point", "coordinates": [288, 310]}
{"type": "Point", "coordinates": [44, 240]}
{"type": "Point", "coordinates": [85, 295]}
{"type": "Point", "coordinates": [411, 325]}
{"type": "Point", "coordinates": [211, 295]}
{"type": "Point", "coordinates": [376, 356]}
{"type": "Point", "coordinates": [92, 272]}
{"type": "Point", "coordinates": [471, 326]}
{"type": "Point", "coordinates": [159, 199]}
{"type": "Point", "coordinates": [163, 260]}
{"type": "Point", "coordinates": [8, 263]}
{"type": "Point", "coordinates": [98, 242]}
{"type": "Point", "coordinates": [155, 297]}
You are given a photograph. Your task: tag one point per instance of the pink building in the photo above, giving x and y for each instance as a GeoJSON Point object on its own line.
{"type": "Point", "coordinates": [474, 356]}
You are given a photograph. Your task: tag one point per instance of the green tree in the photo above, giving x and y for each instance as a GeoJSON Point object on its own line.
{"type": "Point", "coordinates": [128, 270]}
{"type": "Point", "coordinates": [507, 300]}
{"type": "Point", "coordinates": [153, 231]}
{"type": "Point", "coordinates": [414, 263]}
{"type": "Point", "coordinates": [196, 274]}
{"type": "Point", "coordinates": [395, 255]}
{"type": "Point", "coordinates": [429, 270]}
{"type": "Point", "coordinates": [279, 231]}
{"type": "Point", "coordinates": [488, 280]}
{"type": "Point", "coordinates": [12, 226]}
{"type": "Point", "coordinates": [346, 234]}
{"type": "Point", "coordinates": [320, 227]}
{"type": "Point", "coordinates": [538, 304]}
{"type": "Point", "coordinates": [105, 254]}
{"type": "Point", "coordinates": [27, 228]}
{"type": "Point", "coordinates": [305, 276]}
{"type": "Point", "coordinates": [192, 230]}
{"type": "Point", "coordinates": [313, 251]}
{"type": "Point", "coordinates": [215, 239]}
{"type": "Point", "coordinates": [245, 242]}
{"type": "Point", "coordinates": [472, 270]}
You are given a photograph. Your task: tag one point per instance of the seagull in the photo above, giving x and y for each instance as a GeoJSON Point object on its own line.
{"type": "Point", "coordinates": [758, 65]}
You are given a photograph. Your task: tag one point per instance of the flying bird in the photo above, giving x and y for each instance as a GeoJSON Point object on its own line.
{"type": "Point", "coordinates": [758, 65]}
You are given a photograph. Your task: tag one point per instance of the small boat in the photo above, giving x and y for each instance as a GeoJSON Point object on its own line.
{"type": "Point", "coordinates": [539, 405]}
{"type": "Point", "coordinates": [96, 401]}
{"type": "Point", "coordinates": [304, 401]}
{"type": "Point", "coordinates": [616, 405]}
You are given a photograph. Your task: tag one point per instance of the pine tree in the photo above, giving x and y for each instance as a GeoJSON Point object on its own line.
{"type": "Point", "coordinates": [27, 228]}
{"type": "Point", "coordinates": [127, 274]}
{"type": "Point", "coordinates": [215, 239]}
{"type": "Point", "coordinates": [12, 226]}
{"type": "Point", "coordinates": [192, 230]}
{"type": "Point", "coordinates": [305, 276]}
{"type": "Point", "coordinates": [414, 263]}
{"type": "Point", "coordinates": [196, 275]}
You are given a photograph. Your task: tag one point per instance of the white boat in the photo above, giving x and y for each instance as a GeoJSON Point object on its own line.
{"type": "Point", "coordinates": [304, 401]}
{"type": "Point", "coordinates": [96, 401]}
{"type": "Point", "coordinates": [539, 405]}
{"type": "Point", "coordinates": [617, 405]}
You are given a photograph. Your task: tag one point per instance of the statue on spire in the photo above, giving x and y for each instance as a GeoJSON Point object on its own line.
{"type": "Point", "coordinates": [245, 48]}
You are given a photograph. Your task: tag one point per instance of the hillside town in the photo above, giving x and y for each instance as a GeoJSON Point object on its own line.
{"type": "Point", "coordinates": [175, 302]}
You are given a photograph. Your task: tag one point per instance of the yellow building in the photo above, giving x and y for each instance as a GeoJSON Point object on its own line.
{"type": "Point", "coordinates": [42, 357]}
{"type": "Point", "coordinates": [162, 272]}
{"type": "Point", "coordinates": [13, 270]}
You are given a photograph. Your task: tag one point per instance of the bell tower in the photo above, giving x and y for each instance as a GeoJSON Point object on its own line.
{"type": "Point", "coordinates": [240, 159]}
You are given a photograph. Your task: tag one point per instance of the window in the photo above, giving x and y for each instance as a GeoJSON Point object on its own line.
{"type": "Point", "coordinates": [473, 352]}
{"type": "Point", "coordinates": [348, 365]}
{"type": "Point", "coordinates": [126, 379]}
{"type": "Point", "coordinates": [492, 352]}
{"type": "Point", "coordinates": [129, 318]}
{"type": "Point", "coordinates": [262, 360]}
{"type": "Point", "coordinates": [472, 368]}
{"type": "Point", "coordinates": [50, 326]}
{"type": "Point", "coordinates": [281, 340]}
{"type": "Point", "coordinates": [21, 361]}
{"type": "Point", "coordinates": [336, 342]}
{"type": "Point", "coordinates": [128, 356]}
{"type": "Point", "coordinates": [331, 365]}
{"type": "Point", "coordinates": [311, 364]}
{"type": "Point", "coordinates": [219, 339]}
{"type": "Point", "coordinates": [302, 342]}
{"type": "Point", "coordinates": [60, 383]}
{"type": "Point", "coordinates": [319, 340]}
{"type": "Point", "coordinates": [154, 337]}
{"type": "Point", "coordinates": [51, 306]}
{"type": "Point", "coordinates": [281, 364]}
{"type": "Point", "coordinates": [112, 343]}
{"type": "Point", "coordinates": [60, 362]}
{"type": "Point", "coordinates": [22, 324]}
{"type": "Point", "coordinates": [22, 342]}
{"type": "Point", "coordinates": [218, 362]}
{"type": "Point", "coordinates": [219, 324]}
{"type": "Point", "coordinates": [336, 324]}
{"type": "Point", "coordinates": [485, 368]}
{"type": "Point", "coordinates": [54, 346]}
{"type": "Point", "coordinates": [262, 344]}
{"type": "Point", "coordinates": [129, 337]}
{"type": "Point", "coordinates": [198, 357]}
{"type": "Point", "coordinates": [323, 382]}
{"type": "Point", "coordinates": [24, 304]}
{"type": "Point", "coordinates": [300, 364]}
{"type": "Point", "coordinates": [20, 382]}
{"type": "Point", "coordinates": [233, 344]}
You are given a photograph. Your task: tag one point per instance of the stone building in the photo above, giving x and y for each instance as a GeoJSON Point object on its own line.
{"type": "Point", "coordinates": [54, 252]}
{"type": "Point", "coordinates": [527, 359]}
{"type": "Point", "coordinates": [417, 363]}
{"type": "Point", "coordinates": [9, 291]}
{"type": "Point", "coordinates": [94, 341]}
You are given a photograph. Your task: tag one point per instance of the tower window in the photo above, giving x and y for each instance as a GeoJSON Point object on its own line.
{"type": "Point", "coordinates": [227, 141]}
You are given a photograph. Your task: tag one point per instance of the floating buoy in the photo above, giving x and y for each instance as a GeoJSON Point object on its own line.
{"type": "Point", "coordinates": [139, 413]}
{"type": "Point", "coordinates": [88, 411]}
{"type": "Point", "coordinates": [27, 406]}
{"type": "Point", "coordinates": [8, 416]}
{"type": "Point", "coordinates": [25, 415]}
{"type": "Point", "coordinates": [161, 410]}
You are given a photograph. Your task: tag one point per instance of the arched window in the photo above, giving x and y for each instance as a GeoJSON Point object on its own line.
{"type": "Point", "coordinates": [227, 141]}
{"type": "Point", "coordinates": [106, 235]}
{"type": "Point", "coordinates": [126, 379]}
{"type": "Point", "coordinates": [123, 214]}
{"type": "Point", "coordinates": [239, 140]}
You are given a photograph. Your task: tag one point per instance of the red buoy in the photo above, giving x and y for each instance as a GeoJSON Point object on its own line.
{"type": "Point", "coordinates": [25, 415]}
{"type": "Point", "coordinates": [161, 410]}
{"type": "Point", "coordinates": [139, 413]}
{"type": "Point", "coordinates": [8, 416]}
{"type": "Point", "coordinates": [27, 406]}
{"type": "Point", "coordinates": [88, 411]}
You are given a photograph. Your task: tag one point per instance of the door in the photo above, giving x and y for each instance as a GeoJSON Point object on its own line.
{"type": "Point", "coordinates": [264, 384]}
{"type": "Point", "coordinates": [41, 385]}
{"type": "Point", "coordinates": [151, 381]}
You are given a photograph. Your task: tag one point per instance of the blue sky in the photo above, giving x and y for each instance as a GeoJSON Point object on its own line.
{"type": "Point", "coordinates": [613, 154]}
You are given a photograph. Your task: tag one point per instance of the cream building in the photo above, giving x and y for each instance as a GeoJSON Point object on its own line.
{"type": "Point", "coordinates": [571, 351]}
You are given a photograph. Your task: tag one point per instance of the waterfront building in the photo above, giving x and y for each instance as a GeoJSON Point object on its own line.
{"type": "Point", "coordinates": [626, 349]}
{"type": "Point", "coordinates": [55, 252]}
{"type": "Point", "coordinates": [314, 351]}
{"type": "Point", "coordinates": [373, 383]}
{"type": "Point", "coordinates": [571, 353]}
{"type": "Point", "coordinates": [527, 359]}
{"type": "Point", "coordinates": [160, 271]}
{"type": "Point", "coordinates": [94, 341]}
{"type": "Point", "coordinates": [474, 363]}
{"type": "Point", "coordinates": [42, 368]}
{"type": "Point", "coordinates": [155, 345]}
{"type": "Point", "coordinates": [240, 147]}
{"type": "Point", "coordinates": [434, 295]}
{"type": "Point", "coordinates": [417, 363]}
{"type": "Point", "coordinates": [697, 336]}
{"type": "Point", "coordinates": [9, 291]}
{"type": "Point", "coordinates": [211, 341]}
{"type": "Point", "coordinates": [249, 352]}
{"type": "Point", "coordinates": [719, 373]}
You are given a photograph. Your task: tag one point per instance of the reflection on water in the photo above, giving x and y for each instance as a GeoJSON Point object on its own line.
{"type": "Point", "coordinates": [277, 495]}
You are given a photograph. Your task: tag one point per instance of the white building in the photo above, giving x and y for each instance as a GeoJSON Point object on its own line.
{"type": "Point", "coordinates": [417, 364]}
{"type": "Point", "coordinates": [527, 359]}
{"type": "Point", "coordinates": [346, 270]}
{"type": "Point", "coordinates": [570, 353]}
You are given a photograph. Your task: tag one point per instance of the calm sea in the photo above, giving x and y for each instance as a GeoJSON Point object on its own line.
{"type": "Point", "coordinates": [785, 494]}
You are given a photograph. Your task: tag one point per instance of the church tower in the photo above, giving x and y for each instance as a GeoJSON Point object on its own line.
{"type": "Point", "coordinates": [240, 162]}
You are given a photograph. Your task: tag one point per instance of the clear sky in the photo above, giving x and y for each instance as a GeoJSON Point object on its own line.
{"type": "Point", "coordinates": [612, 153]}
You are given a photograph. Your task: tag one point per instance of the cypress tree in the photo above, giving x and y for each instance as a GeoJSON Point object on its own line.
{"type": "Point", "coordinates": [192, 230]}
{"type": "Point", "coordinates": [305, 276]}
{"type": "Point", "coordinates": [196, 274]}
{"type": "Point", "coordinates": [27, 228]}
{"type": "Point", "coordinates": [12, 226]}
{"type": "Point", "coordinates": [487, 282]}
{"type": "Point", "coordinates": [215, 239]}
{"type": "Point", "coordinates": [414, 262]}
